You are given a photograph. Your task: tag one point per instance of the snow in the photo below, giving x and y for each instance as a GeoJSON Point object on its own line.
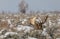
{"type": "Point", "coordinates": [57, 38]}
{"type": "Point", "coordinates": [7, 33]}
{"type": "Point", "coordinates": [11, 33]}
{"type": "Point", "coordinates": [9, 21]}
{"type": "Point", "coordinates": [44, 32]}
{"type": "Point", "coordinates": [23, 21]}
{"type": "Point", "coordinates": [58, 21]}
{"type": "Point", "coordinates": [25, 28]}
{"type": "Point", "coordinates": [2, 36]}
{"type": "Point", "coordinates": [31, 38]}
{"type": "Point", "coordinates": [2, 31]}
{"type": "Point", "coordinates": [45, 24]}
{"type": "Point", "coordinates": [50, 23]}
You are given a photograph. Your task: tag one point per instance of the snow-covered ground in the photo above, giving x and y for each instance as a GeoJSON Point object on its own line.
{"type": "Point", "coordinates": [24, 28]}
{"type": "Point", "coordinates": [14, 29]}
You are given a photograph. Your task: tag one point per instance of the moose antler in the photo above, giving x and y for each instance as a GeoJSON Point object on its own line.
{"type": "Point", "coordinates": [40, 24]}
{"type": "Point", "coordinates": [45, 19]}
{"type": "Point", "coordinates": [37, 25]}
{"type": "Point", "coordinates": [32, 20]}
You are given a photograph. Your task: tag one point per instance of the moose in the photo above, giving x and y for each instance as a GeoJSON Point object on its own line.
{"type": "Point", "coordinates": [38, 25]}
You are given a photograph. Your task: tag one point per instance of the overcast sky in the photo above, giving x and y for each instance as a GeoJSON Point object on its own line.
{"type": "Point", "coordinates": [12, 5]}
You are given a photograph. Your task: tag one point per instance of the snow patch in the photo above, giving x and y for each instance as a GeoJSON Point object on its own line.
{"type": "Point", "coordinates": [57, 38]}
{"type": "Point", "coordinates": [11, 33]}
{"type": "Point", "coordinates": [50, 23]}
{"type": "Point", "coordinates": [25, 28]}
{"type": "Point", "coordinates": [58, 21]}
{"type": "Point", "coordinates": [23, 21]}
{"type": "Point", "coordinates": [44, 32]}
{"type": "Point", "coordinates": [31, 38]}
{"type": "Point", "coordinates": [2, 31]}
{"type": "Point", "coordinates": [9, 21]}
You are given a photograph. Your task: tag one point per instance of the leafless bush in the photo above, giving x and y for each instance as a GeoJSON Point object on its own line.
{"type": "Point", "coordinates": [23, 6]}
{"type": "Point", "coordinates": [51, 31]}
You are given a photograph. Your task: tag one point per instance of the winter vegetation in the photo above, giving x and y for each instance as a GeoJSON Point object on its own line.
{"type": "Point", "coordinates": [35, 26]}
{"type": "Point", "coordinates": [31, 25]}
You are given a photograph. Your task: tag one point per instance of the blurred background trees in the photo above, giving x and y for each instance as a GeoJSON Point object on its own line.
{"type": "Point", "coordinates": [23, 6]}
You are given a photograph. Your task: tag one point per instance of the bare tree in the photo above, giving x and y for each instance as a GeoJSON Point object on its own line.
{"type": "Point", "coordinates": [23, 6]}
